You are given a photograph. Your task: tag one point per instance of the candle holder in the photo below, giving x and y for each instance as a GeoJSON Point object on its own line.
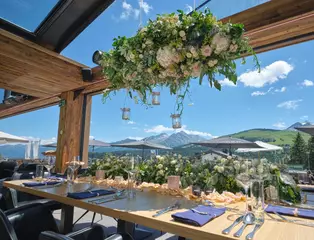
{"type": "Point", "coordinates": [176, 121]}
{"type": "Point", "coordinates": [125, 113]}
{"type": "Point", "coordinates": [156, 98]}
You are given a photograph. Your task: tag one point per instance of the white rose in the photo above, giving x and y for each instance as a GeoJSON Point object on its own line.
{"type": "Point", "coordinates": [220, 169]}
{"type": "Point", "coordinates": [173, 162]}
{"type": "Point", "coordinates": [237, 166]}
{"type": "Point", "coordinates": [220, 43]}
{"type": "Point", "coordinates": [212, 63]}
{"type": "Point", "coordinates": [184, 38]}
{"type": "Point", "coordinates": [216, 167]}
{"type": "Point", "coordinates": [174, 32]}
{"type": "Point", "coordinates": [161, 172]}
{"type": "Point", "coordinates": [149, 70]}
{"type": "Point", "coordinates": [252, 171]}
{"type": "Point", "coordinates": [223, 160]}
{"type": "Point", "coordinates": [177, 169]}
{"type": "Point", "coordinates": [260, 169]}
{"type": "Point", "coordinates": [159, 166]}
{"type": "Point", "coordinates": [143, 45]}
{"type": "Point", "coordinates": [229, 158]}
{"type": "Point", "coordinates": [188, 55]}
{"type": "Point", "coordinates": [132, 56]}
{"type": "Point", "coordinates": [243, 167]}
{"type": "Point", "coordinates": [182, 33]}
{"type": "Point", "coordinates": [149, 42]}
{"type": "Point", "coordinates": [140, 56]}
{"type": "Point", "coordinates": [191, 174]}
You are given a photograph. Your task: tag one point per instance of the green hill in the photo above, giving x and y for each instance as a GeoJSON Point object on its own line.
{"type": "Point", "coordinates": [276, 137]}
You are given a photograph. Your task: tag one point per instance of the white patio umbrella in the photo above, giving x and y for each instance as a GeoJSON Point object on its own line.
{"type": "Point", "coordinates": [307, 129]}
{"type": "Point", "coordinates": [264, 147]}
{"type": "Point", "coordinates": [9, 138]}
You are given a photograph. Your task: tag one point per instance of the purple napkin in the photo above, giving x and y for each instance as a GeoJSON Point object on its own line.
{"type": "Point", "coordinates": [290, 211]}
{"type": "Point", "coordinates": [38, 184]}
{"type": "Point", "coordinates": [197, 219]}
{"type": "Point", "coordinates": [90, 194]}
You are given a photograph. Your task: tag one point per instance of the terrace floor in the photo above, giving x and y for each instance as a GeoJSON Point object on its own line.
{"type": "Point", "coordinates": [109, 224]}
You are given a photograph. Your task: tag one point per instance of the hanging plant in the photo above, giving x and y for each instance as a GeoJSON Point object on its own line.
{"type": "Point", "coordinates": [172, 50]}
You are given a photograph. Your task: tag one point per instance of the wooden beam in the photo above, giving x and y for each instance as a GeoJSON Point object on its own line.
{"type": "Point", "coordinates": [69, 130]}
{"type": "Point", "coordinates": [270, 12]}
{"type": "Point", "coordinates": [87, 109]}
{"type": "Point", "coordinates": [9, 111]}
{"type": "Point", "coordinates": [33, 70]}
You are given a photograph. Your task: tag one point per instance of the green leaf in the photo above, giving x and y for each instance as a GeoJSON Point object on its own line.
{"type": "Point", "coordinates": [217, 85]}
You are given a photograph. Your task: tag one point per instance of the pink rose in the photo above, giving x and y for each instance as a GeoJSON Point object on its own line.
{"type": "Point", "coordinates": [206, 51]}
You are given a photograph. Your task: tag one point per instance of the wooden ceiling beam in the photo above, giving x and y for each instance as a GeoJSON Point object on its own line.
{"type": "Point", "coordinates": [29, 68]}
{"type": "Point", "coordinates": [9, 111]}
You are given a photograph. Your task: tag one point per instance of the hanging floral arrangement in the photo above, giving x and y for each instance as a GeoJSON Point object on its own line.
{"type": "Point", "coordinates": [172, 50]}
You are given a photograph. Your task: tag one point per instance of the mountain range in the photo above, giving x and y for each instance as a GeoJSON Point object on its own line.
{"type": "Point", "coordinates": [177, 140]}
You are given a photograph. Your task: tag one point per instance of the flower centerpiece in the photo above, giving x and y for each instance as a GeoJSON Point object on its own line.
{"type": "Point", "coordinates": [170, 51]}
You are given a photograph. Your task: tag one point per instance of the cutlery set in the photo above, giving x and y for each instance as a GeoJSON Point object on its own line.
{"type": "Point", "coordinates": [175, 206]}
{"type": "Point", "coordinates": [247, 219]}
{"type": "Point", "coordinates": [121, 194]}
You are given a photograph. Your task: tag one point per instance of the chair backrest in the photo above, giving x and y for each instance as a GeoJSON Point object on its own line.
{"type": "Point", "coordinates": [6, 168]}
{"type": "Point", "coordinates": [6, 229]}
{"type": "Point", "coordinates": [30, 220]}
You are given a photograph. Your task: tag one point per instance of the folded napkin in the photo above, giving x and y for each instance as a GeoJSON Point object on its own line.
{"type": "Point", "coordinates": [291, 211]}
{"type": "Point", "coordinates": [38, 184]}
{"type": "Point", "coordinates": [198, 219]}
{"type": "Point", "coordinates": [90, 194]}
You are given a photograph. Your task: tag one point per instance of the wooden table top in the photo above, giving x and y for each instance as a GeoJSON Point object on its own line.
{"type": "Point", "coordinates": [141, 209]}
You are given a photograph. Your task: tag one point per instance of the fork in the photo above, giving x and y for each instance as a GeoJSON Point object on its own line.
{"type": "Point", "coordinates": [300, 222]}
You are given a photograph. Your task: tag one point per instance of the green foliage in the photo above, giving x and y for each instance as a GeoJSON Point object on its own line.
{"type": "Point", "coordinates": [171, 50]}
{"type": "Point", "coordinates": [298, 151]}
{"type": "Point", "coordinates": [311, 152]}
{"type": "Point", "coordinates": [220, 175]}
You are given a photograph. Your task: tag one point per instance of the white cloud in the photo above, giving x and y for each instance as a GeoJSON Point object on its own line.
{"type": "Point", "coordinates": [304, 118]}
{"type": "Point", "coordinates": [227, 82]}
{"type": "Point", "coordinates": [258, 93]}
{"type": "Point", "coordinates": [270, 90]}
{"type": "Point", "coordinates": [188, 8]}
{"type": "Point", "coordinates": [280, 125]}
{"type": "Point", "coordinates": [136, 138]}
{"type": "Point", "coordinates": [268, 75]}
{"type": "Point", "coordinates": [131, 122]}
{"type": "Point", "coordinates": [283, 89]}
{"type": "Point", "coordinates": [161, 128]}
{"type": "Point", "coordinates": [91, 137]}
{"type": "Point", "coordinates": [307, 83]}
{"type": "Point", "coordinates": [129, 10]}
{"type": "Point", "coordinates": [145, 6]}
{"type": "Point", "coordinates": [292, 104]}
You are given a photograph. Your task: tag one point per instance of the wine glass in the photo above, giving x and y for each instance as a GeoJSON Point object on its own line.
{"type": "Point", "coordinates": [50, 163]}
{"type": "Point", "coordinates": [74, 165]}
{"type": "Point", "coordinates": [131, 171]}
{"type": "Point", "coordinates": [244, 180]}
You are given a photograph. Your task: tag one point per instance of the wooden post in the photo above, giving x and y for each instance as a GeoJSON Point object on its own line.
{"type": "Point", "coordinates": [70, 128]}
{"type": "Point", "coordinates": [86, 118]}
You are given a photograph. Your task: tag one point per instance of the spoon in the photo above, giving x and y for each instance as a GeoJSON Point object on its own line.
{"type": "Point", "coordinates": [248, 219]}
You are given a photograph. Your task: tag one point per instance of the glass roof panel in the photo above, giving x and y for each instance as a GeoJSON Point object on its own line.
{"type": "Point", "coordinates": [27, 14]}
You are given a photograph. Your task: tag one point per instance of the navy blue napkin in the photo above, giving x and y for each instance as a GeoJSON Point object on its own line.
{"type": "Point", "coordinates": [291, 211]}
{"type": "Point", "coordinates": [38, 184]}
{"type": "Point", "coordinates": [90, 194]}
{"type": "Point", "coordinates": [197, 219]}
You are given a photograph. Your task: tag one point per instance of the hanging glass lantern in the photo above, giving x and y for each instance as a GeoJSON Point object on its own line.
{"type": "Point", "coordinates": [125, 113]}
{"type": "Point", "coordinates": [176, 121]}
{"type": "Point", "coordinates": [155, 98]}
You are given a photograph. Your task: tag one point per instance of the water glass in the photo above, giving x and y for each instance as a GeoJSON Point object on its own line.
{"type": "Point", "coordinates": [39, 171]}
{"type": "Point", "coordinates": [131, 184]}
{"type": "Point", "coordinates": [256, 202]}
{"type": "Point", "coordinates": [70, 175]}
{"type": "Point", "coordinates": [272, 191]}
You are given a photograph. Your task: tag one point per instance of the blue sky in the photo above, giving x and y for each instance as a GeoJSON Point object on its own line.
{"type": "Point", "coordinates": [276, 98]}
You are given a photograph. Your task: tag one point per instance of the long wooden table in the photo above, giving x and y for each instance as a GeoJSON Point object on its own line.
{"type": "Point", "coordinates": [141, 209]}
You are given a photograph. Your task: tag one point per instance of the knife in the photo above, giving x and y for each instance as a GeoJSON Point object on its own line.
{"type": "Point", "coordinates": [235, 223]}
{"type": "Point", "coordinates": [251, 234]}
{"type": "Point", "coordinates": [177, 205]}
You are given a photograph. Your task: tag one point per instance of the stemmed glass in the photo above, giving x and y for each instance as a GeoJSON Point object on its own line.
{"type": "Point", "coordinates": [244, 180]}
{"type": "Point", "coordinates": [50, 163]}
{"type": "Point", "coordinates": [74, 166]}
